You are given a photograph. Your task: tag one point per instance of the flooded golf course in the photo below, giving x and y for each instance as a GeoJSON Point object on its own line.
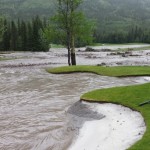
{"type": "Point", "coordinates": [38, 110]}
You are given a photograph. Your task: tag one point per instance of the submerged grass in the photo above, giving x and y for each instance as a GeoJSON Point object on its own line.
{"type": "Point", "coordinates": [2, 59]}
{"type": "Point", "coordinates": [130, 96]}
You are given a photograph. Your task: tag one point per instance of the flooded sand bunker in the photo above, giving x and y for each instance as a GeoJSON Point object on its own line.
{"type": "Point", "coordinates": [79, 113]}
{"type": "Point", "coordinates": [83, 111]}
{"type": "Point", "coordinates": [118, 130]}
{"type": "Point", "coordinates": [34, 103]}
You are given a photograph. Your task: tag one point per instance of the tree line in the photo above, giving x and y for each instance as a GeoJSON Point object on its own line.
{"type": "Point", "coordinates": [24, 35]}
{"type": "Point", "coordinates": [134, 34]}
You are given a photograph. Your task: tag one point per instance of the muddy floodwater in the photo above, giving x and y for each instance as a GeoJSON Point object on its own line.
{"type": "Point", "coordinates": [35, 106]}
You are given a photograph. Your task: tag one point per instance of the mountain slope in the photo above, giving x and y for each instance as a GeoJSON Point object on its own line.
{"type": "Point", "coordinates": [118, 12]}
{"type": "Point", "coordinates": [110, 14]}
{"type": "Point", "coordinates": [26, 8]}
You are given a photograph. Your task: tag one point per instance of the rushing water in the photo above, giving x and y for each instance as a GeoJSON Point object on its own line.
{"type": "Point", "coordinates": [34, 104]}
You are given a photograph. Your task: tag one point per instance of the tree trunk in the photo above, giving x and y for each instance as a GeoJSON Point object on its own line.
{"type": "Point", "coordinates": [73, 55]}
{"type": "Point", "coordinates": [73, 58]}
{"type": "Point", "coordinates": [69, 62]}
{"type": "Point", "coordinates": [68, 47]}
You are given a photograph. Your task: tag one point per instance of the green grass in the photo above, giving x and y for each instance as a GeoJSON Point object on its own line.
{"type": "Point", "coordinates": [96, 44]}
{"type": "Point", "coordinates": [118, 71]}
{"type": "Point", "coordinates": [56, 46]}
{"type": "Point", "coordinates": [2, 59]}
{"type": "Point", "coordinates": [130, 96]}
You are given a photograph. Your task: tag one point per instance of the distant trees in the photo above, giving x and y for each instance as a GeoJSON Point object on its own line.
{"type": "Point", "coordinates": [134, 34]}
{"type": "Point", "coordinates": [24, 36]}
{"type": "Point", "coordinates": [2, 27]}
{"type": "Point", "coordinates": [70, 27]}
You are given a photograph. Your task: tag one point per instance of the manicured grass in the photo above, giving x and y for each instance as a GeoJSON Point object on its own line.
{"type": "Point", "coordinates": [130, 96]}
{"type": "Point", "coordinates": [118, 71]}
{"type": "Point", "coordinates": [96, 44]}
{"type": "Point", "coordinates": [56, 46]}
{"type": "Point", "coordinates": [2, 59]}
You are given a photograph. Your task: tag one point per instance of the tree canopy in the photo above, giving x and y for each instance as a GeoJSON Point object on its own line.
{"type": "Point", "coordinates": [23, 35]}
{"type": "Point", "coordinates": [70, 27]}
{"type": "Point", "coordinates": [2, 27]}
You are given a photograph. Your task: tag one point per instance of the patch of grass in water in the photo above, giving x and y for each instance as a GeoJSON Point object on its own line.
{"type": "Point", "coordinates": [3, 59]}
{"type": "Point", "coordinates": [130, 96]}
{"type": "Point", "coordinates": [56, 46]}
{"type": "Point", "coordinates": [119, 71]}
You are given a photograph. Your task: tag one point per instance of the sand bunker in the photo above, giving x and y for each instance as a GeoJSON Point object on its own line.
{"type": "Point", "coordinates": [118, 130]}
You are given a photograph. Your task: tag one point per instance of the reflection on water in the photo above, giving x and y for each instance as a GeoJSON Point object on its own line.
{"type": "Point", "coordinates": [34, 106]}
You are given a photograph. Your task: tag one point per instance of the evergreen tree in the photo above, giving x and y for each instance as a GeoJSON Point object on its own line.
{"type": "Point", "coordinates": [6, 36]}
{"type": "Point", "coordinates": [2, 27]}
{"type": "Point", "coordinates": [23, 36]}
{"type": "Point", "coordinates": [14, 36]}
{"type": "Point", "coordinates": [29, 37]}
{"type": "Point", "coordinates": [39, 42]}
{"type": "Point", "coordinates": [2, 30]}
{"type": "Point", "coordinates": [26, 36]}
{"type": "Point", "coordinates": [35, 35]}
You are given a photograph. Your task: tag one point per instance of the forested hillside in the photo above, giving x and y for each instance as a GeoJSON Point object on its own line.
{"type": "Point", "coordinates": [115, 14]}
{"type": "Point", "coordinates": [26, 9]}
{"type": "Point", "coordinates": [108, 13]}
{"type": "Point", "coordinates": [118, 21]}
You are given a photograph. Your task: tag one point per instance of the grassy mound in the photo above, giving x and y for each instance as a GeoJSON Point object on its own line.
{"type": "Point", "coordinates": [119, 71]}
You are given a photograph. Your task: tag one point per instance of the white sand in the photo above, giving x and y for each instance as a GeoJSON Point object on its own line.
{"type": "Point", "coordinates": [120, 129]}
{"type": "Point", "coordinates": [147, 78]}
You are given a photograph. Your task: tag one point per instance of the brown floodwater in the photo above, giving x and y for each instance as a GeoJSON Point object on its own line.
{"type": "Point", "coordinates": [38, 109]}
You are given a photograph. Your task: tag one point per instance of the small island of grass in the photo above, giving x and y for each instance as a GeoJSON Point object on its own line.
{"type": "Point", "coordinates": [130, 96]}
{"type": "Point", "coordinates": [2, 59]}
{"type": "Point", "coordinates": [118, 71]}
